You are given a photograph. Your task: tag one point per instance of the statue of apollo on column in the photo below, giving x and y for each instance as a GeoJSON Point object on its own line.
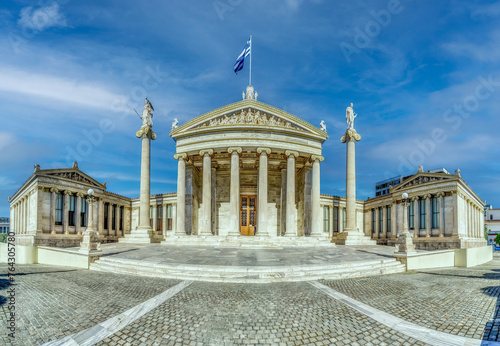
{"type": "Point", "coordinates": [350, 115]}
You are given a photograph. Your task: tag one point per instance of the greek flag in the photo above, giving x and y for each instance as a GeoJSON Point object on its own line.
{"type": "Point", "coordinates": [238, 65]}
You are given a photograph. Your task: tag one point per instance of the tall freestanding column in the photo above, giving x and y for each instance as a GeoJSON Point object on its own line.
{"type": "Point", "coordinates": [291, 212]}
{"type": "Point", "coordinates": [206, 211]}
{"type": "Point", "coordinates": [180, 229]}
{"type": "Point", "coordinates": [144, 232]}
{"type": "Point", "coordinates": [234, 192]}
{"type": "Point", "coordinates": [317, 219]}
{"type": "Point", "coordinates": [262, 230]}
{"type": "Point", "coordinates": [351, 234]}
{"type": "Point", "coordinates": [89, 244]}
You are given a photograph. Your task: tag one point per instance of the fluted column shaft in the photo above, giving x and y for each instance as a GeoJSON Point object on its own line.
{"type": "Point", "coordinates": [315, 197]}
{"type": "Point", "coordinates": [262, 230]}
{"type": "Point", "coordinates": [145, 198]}
{"type": "Point", "coordinates": [291, 222]}
{"type": "Point", "coordinates": [441, 215]}
{"type": "Point", "coordinates": [234, 192]}
{"type": "Point", "coordinates": [428, 227]}
{"type": "Point", "coordinates": [206, 211]}
{"type": "Point", "coordinates": [181, 195]}
{"type": "Point", "coordinates": [78, 215]}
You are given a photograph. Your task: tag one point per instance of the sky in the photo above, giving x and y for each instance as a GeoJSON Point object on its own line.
{"type": "Point", "coordinates": [423, 76]}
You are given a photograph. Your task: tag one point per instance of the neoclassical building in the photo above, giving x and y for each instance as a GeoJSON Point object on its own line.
{"type": "Point", "coordinates": [247, 169]}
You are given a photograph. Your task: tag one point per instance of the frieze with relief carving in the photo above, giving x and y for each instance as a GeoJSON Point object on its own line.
{"type": "Point", "coordinates": [421, 180]}
{"type": "Point", "coordinates": [249, 117]}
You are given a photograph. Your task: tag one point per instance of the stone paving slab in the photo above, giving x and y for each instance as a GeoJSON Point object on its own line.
{"type": "Point", "coordinates": [458, 301]}
{"type": "Point", "coordinates": [171, 255]}
{"type": "Point", "coordinates": [53, 302]}
{"type": "Point", "coordinates": [279, 314]}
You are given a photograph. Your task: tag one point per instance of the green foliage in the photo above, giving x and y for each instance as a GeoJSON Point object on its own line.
{"type": "Point", "coordinates": [3, 237]}
{"type": "Point", "coordinates": [497, 239]}
{"type": "Point", "coordinates": [485, 232]}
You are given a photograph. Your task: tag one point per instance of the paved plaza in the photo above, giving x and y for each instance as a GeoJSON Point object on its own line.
{"type": "Point", "coordinates": [68, 306]}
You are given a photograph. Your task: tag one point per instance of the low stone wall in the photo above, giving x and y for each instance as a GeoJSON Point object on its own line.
{"type": "Point", "coordinates": [64, 257]}
{"type": "Point", "coordinates": [473, 256]}
{"type": "Point", "coordinates": [24, 254]}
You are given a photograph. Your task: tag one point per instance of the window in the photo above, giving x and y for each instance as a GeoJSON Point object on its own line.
{"type": "Point", "coordinates": [159, 213]}
{"type": "Point", "coordinates": [106, 216]}
{"type": "Point", "coordinates": [326, 219]}
{"type": "Point", "coordinates": [411, 215]}
{"type": "Point", "coordinates": [435, 212]}
{"type": "Point", "coordinates": [169, 216]}
{"type": "Point", "coordinates": [113, 217]}
{"type": "Point", "coordinates": [380, 219]}
{"type": "Point", "coordinates": [491, 217]}
{"type": "Point", "coordinates": [59, 208]}
{"type": "Point", "coordinates": [423, 215]}
{"type": "Point", "coordinates": [71, 210]}
{"type": "Point", "coordinates": [336, 219]}
{"type": "Point", "coordinates": [83, 212]}
{"type": "Point", "coordinates": [373, 221]}
{"type": "Point", "coordinates": [388, 219]}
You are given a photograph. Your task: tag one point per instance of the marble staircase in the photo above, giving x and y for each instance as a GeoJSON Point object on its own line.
{"type": "Point", "coordinates": [248, 274]}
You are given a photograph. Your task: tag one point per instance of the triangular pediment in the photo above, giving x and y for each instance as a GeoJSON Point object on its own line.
{"type": "Point", "coordinates": [73, 174]}
{"type": "Point", "coordinates": [248, 114]}
{"type": "Point", "coordinates": [422, 179]}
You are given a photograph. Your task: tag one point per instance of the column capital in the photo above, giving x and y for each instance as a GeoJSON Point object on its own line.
{"type": "Point", "coordinates": [53, 189]}
{"type": "Point", "coordinates": [317, 157]}
{"type": "Point", "coordinates": [79, 194]}
{"type": "Point", "coordinates": [414, 198]}
{"type": "Point", "coordinates": [291, 153]}
{"type": "Point", "coordinates": [427, 196]}
{"type": "Point", "coordinates": [440, 194]}
{"type": "Point", "coordinates": [204, 152]}
{"type": "Point", "coordinates": [231, 150]}
{"type": "Point", "coordinates": [350, 135]}
{"type": "Point", "coordinates": [182, 156]}
{"type": "Point", "coordinates": [67, 192]}
{"type": "Point", "coordinates": [263, 150]}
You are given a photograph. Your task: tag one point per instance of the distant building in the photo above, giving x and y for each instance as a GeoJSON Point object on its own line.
{"type": "Point", "coordinates": [4, 225]}
{"type": "Point", "coordinates": [382, 187]}
{"type": "Point", "coordinates": [492, 223]}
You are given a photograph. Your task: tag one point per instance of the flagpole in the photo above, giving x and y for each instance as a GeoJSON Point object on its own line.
{"type": "Point", "coordinates": [250, 78]}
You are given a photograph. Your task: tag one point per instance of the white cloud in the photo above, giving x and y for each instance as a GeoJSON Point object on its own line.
{"type": "Point", "coordinates": [42, 18]}
{"type": "Point", "coordinates": [57, 88]}
{"type": "Point", "coordinates": [6, 140]}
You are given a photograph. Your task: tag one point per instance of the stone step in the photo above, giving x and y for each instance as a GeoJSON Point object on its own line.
{"type": "Point", "coordinates": [249, 274]}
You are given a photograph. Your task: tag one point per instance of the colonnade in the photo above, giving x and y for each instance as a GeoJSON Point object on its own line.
{"type": "Point", "coordinates": [205, 217]}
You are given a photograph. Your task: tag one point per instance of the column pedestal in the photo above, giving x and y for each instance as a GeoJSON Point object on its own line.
{"type": "Point", "coordinates": [351, 234]}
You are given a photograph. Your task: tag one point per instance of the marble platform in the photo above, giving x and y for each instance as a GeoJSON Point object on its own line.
{"type": "Point", "coordinates": [240, 265]}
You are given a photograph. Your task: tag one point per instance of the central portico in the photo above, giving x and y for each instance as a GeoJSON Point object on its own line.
{"type": "Point", "coordinates": [248, 169]}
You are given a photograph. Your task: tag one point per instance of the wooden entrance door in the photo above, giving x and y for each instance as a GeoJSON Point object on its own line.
{"type": "Point", "coordinates": [248, 215]}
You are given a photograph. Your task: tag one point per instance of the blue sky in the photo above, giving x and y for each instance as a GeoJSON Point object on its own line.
{"type": "Point", "coordinates": [423, 76]}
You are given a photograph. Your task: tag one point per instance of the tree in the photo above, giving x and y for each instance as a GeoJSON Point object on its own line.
{"type": "Point", "coordinates": [497, 239]}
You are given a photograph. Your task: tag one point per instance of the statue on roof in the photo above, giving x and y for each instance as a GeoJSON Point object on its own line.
{"type": "Point", "coordinates": [147, 114]}
{"type": "Point", "coordinates": [350, 115]}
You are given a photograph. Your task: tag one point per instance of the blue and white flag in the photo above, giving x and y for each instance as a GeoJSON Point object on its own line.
{"type": "Point", "coordinates": [238, 65]}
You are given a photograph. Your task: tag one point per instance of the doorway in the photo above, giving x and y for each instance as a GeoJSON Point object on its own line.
{"type": "Point", "coordinates": [248, 215]}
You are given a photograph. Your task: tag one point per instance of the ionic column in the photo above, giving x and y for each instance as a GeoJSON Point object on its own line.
{"type": "Point", "coordinates": [234, 192]}
{"type": "Point", "coordinates": [467, 212]}
{"type": "Point", "coordinates": [291, 212]}
{"type": "Point", "coordinates": [384, 222]}
{"type": "Point", "coordinates": [146, 134]}
{"type": "Point", "coordinates": [441, 214]}
{"type": "Point", "coordinates": [174, 217]}
{"type": "Point", "coordinates": [315, 197]}
{"type": "Point", "coordinates": [416, 216]}
{"type": "Point", "coordinates": [164, 220]}
{"type": "Point", "coordinates": [66, 211]}
{"type": "Point", "coordinates": [110, 219]}
{"type": "Point", "coordinates": [53, 192]}
{"type": "Point", "coordinates": [262, 230]}
{"type": "Point", "coordinates": [181, 194]}
{"type": "Point", "coordinates": [330, 221]}
{"type": "Point", "coordinates": [155, 218]}
{"type": "Point", "coordinates": [117, 220]}
{"type": "Point", "coordinates": [377, 223]}
{"type": "Point", "coordinates": [394, 221]}
{"type": "Point", "coordinates": [340, 219]}
{"type": "Point", "coordinates": [428, 206]}
{"type": "Point", "coordinates": [100, 217]}
{"type": "Point", "coordinates": [78, 216]}
{"type": "Point", "coordinates": [206, 209]}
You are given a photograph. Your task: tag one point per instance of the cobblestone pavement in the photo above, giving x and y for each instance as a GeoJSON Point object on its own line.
{"type": "Point", "coordinates": [459, 301]}
{"type": "Point", "coordinates": [53, 302]}
{"type": "Point", "coordinates": [281, 313]}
